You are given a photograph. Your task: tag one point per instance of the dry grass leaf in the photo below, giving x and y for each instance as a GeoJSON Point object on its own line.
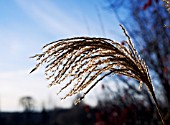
{"type": "Point", "coordinates": [85, 61]}
{"type": "Point", "coordinates": [167, 5]}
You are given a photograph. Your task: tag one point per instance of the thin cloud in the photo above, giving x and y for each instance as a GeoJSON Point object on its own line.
{"type": "Point", "coordinates": [52, 18]}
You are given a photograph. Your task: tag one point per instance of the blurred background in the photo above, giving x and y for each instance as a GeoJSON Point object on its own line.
{"type": "Point", "coordinates": [26, 26]}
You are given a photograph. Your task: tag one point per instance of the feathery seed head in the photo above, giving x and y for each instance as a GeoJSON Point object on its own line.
{"type": "Point", "coordinates": [85, 61]}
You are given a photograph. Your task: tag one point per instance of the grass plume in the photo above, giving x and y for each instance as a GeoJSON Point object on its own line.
{"type": "Point", "coordinates": [167, 5]}
{"type": "Point", "coordinates": [85, 61]}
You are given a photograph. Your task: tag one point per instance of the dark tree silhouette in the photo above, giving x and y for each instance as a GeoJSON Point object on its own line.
{"type": "Point", "coordinates": [146, 26]}
{"type": "Point", "coordinates": [27, 103]}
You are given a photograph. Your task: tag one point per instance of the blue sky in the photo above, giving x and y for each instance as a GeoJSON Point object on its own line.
{"type": "Point", "coordinates": [27, 25]}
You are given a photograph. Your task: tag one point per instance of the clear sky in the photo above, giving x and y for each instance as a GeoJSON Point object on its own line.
{"type": "Point", "coordinates": [27, 25]}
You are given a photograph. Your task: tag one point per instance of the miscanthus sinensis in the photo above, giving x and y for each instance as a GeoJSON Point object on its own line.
{"type": "Point", "coordinates": [85, 61]}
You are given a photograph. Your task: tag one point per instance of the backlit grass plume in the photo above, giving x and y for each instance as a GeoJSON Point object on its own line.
{"type": "Point", "coordinates": [167, 5]}
{"type": "Point", "coordinates": [81, 62]}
